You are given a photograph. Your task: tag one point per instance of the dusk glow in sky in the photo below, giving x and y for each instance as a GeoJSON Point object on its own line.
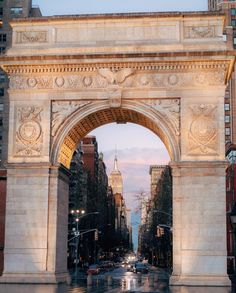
{"type": "Point", "coordinates": [57, 7]}
{"type": "Point", "coordinates": [137, 147]}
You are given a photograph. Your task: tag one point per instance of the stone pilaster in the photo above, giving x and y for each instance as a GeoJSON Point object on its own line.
{"type": "Point", "coordinates": [36, 225]}
{"type": "Point", "coordinates": [199, 224]}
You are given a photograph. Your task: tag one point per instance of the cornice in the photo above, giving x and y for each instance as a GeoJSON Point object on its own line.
{"type": "Point", "coordinates": [104, 16]}
{"type": "Point", "coordinates": [166, 66]}
{"type": "Point", "coordinates": [169, 55]}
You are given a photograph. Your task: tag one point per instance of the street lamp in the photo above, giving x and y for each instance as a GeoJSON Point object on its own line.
{"type": "Point", "coordinates": [77, 232]}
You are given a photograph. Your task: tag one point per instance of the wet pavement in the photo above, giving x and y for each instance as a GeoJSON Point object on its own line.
{"type": "Point", "coordinates": [123, 282]}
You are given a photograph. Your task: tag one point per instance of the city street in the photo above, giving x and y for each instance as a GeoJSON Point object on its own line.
{"type": "Point", "coordinates": [123, 281]}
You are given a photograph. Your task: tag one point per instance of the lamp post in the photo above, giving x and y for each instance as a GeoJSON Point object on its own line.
{"type": "Point", "coordinates": [232, 216]}
{"type": "Point", "coordinates": [77, 233]}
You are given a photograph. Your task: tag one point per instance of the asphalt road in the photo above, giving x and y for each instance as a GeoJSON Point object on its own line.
{"type": "Point", "coordinates": [123, 282]}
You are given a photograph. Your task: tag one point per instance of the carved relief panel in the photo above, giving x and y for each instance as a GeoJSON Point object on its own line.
{"type": "Point", "coordinates": [169, 109]}
{"type": "Point", "coordinates": [26, 37]}
{"type": "Point", "coordinates": [61, 110]}
{"type": "Point", "coordinates": [28, 132]}
{"type": "Point", "coordinates": [203, 130]}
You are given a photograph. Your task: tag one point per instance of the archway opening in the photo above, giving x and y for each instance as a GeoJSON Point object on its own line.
{"type": "Point", "coordinates": [75, 129]}
{"type": "Point", "coordinates": [103, 117]}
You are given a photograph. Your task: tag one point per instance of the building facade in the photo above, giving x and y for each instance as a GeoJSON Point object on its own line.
{"type": "Point", "coordinates": [9, 9]}
{"type": "Point", "coordinates": [155, 172]}
{"type": "Point", "coordinates": [229, 9]}
{"type": "Point", "coordinates": [89, 193]}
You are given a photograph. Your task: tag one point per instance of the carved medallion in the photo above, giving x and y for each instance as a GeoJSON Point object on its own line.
{"type": "Point", "coordinates": [29, 135]}
{"type": "Point", "coordinates": [173, 79]}
{"type": "Point", "coordinates": [32, 82]}
{"type": "Point", "coordinates": [87, 81]}
{"type": "Point", "coordinates": [59, 81]}
{"type": "Point", "coordinates": [203, 130]}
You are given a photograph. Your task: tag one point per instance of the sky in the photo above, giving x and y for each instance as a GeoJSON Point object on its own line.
{"type": "Point", "coordinates": [57, 7]}
{"type": "Point", "coordinates": [137, 147]}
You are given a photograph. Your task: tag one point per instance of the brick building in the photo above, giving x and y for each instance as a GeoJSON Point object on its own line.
{"type": "Point", "coordinates": [89, 192]}
{"type": "Point", "coordinates": [229, 9]}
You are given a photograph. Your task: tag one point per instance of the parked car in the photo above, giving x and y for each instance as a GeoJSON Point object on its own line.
{"type": "Point", "coordinates": [93, 270]}
{"type": "Point", "coordinates": [140, 268]}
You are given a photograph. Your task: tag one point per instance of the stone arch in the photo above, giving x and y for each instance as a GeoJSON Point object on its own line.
{"type": "Point", "coordinates": [96, 114]}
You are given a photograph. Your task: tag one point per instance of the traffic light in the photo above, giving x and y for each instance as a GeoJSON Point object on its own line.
{"type": "Point", "coordinates": [162, 231]}
{"type": "Point", "coordinates": [96, 235]}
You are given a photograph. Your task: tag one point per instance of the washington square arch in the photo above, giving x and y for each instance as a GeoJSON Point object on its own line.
{"type": "Point", "coordinates": [71, 74]}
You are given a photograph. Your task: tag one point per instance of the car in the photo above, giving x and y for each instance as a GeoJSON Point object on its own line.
{"type": "Point", "coordinates": [140, 268]}
{"type": "Point", "coordinates": [130, 266]}
{"type": "Point", "coordinates": [107, 265]}
{"type": "Point", "coordinates": [93, 270]}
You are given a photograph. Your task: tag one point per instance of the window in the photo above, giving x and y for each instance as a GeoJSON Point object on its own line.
{"type": "Point", "coordinates": [233, 11]}
{"type": "Point", "coordinates": [227, 131]}
{"type": "Point", "coordinates": [232, 157]}
{"type": "Point", "coordinates": [2, 50]}
{"type": "Point", "coordinates": [2, 77]}
{"type": "Point", "coordinates": [227, 107]}
{"type": "Point", "coordinates": [1, 11]}
{"type": "Point", "coordinates": [3, 38]}
{"type": "Point", "coordinates": [16, 10]}
{"type": "Point", "coordinates": [233, 22]}
{"type": "Point", "coordinates": [227, 118]}
{"type": "Point", "coordinates": [1, 92]}
{"type": "Point", "coordinates": [1, 107]}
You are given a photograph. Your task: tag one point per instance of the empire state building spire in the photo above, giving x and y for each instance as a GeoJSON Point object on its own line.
{"type": "Point", "coordinates": [115, 178]}
{"type": "Point", "coordinates": [116, 164]}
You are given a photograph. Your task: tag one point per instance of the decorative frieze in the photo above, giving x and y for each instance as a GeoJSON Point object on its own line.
{"type": "Point", "coordinates": [31, 37]}
{"type": "Point", "coordinates": [203, 130]}
{"type": "Point", "coordinates": [29, 134]}
{"type": "Point", "coordinates": [136, 80]}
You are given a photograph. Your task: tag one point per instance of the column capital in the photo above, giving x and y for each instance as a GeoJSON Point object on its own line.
{"type": "Point", "coordinates": [198, 168]}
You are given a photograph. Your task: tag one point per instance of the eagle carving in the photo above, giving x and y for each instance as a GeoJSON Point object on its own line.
{"type": "Point", "coordinates": [115, 77]}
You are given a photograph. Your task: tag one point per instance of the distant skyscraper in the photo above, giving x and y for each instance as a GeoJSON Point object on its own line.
{"type": "Point", "coordinates": [115, 179]}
